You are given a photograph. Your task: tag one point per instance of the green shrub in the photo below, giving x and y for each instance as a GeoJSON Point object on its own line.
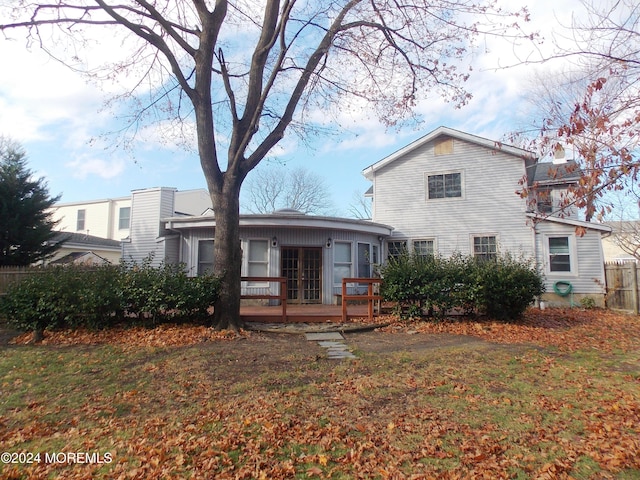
{"type": "Point", "coordinates": [432, 286]}
{"type": "Point", "coordinates": [97, 297]}
{"type": "Point", "coordinates": [507, 287]}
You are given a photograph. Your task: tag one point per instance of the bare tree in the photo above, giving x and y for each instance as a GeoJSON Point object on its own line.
{"type": "Point", "coordinates": [595, 109]}
{"type": "Point", "coordinates": [274, 188]}
{"type": "Point", "coordinates": [246, 71]}
{"type": "Point", "coordinates": [360, 206]}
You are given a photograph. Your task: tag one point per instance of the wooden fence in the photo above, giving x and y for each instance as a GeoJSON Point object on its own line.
{"type": "Point", "coordinates": [622, 286]}
{"type": "Point", "coordinates": [9, 275]}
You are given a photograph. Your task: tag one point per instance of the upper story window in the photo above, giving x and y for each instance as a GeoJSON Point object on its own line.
{"type": "Point", "coordinates": [485, 247]}
{"type": "Point", "coordinates": [80, 220]}
{"type": "Point", "coordinates": [444, 185]}
{"type": "Point", "coordinates": [124, 218]}
{"type": "Point", "coordinates": [544, 201]}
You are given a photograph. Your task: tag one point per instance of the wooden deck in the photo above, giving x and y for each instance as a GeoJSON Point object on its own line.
{"type": "Point", "coordinates": [301, 313]}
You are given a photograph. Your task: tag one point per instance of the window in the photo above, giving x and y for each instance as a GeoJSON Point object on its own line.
{"type": "Point", "coordinates": [545, 201]}
{"type": "Point", "coordinates": [485, 248]}
{"type": "Point", "coordinates": [364, 260]}
{"type": "Point", "coordinates": [424, 248]}
{"type": "Point", "coordinates": [559, 254]}
{"type": "Point", "coordinates": [124, 218]}
{"type": "Point", "coordinates": [205, 257]}
{"type": "Point", "coordinates": [396, 248]}
{"type": "Point", "coordinates": [341, 262]}
{"type": "Point", "coordinates": [258, 259]}
{"type": "Point", "coordinates": [80, 220]}
{"type": "Point", "coordinates": [446, 185]}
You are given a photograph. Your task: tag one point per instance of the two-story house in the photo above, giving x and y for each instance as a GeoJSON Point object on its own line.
{"type": "Point", "coordinates": [450, 191]}
{"type": "Point", "coordinates": [446, 192]}
{"type": "Point", "coordinates": [94, 230]}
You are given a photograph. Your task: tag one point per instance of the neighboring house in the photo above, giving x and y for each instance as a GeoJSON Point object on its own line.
{"type": "Point", "coordinates": [82, 248]}
{"type": "Point", "coordinates": [446, 192]}
{"type": "Point", "coordinates": [110, 218]}
{"type": "Point", "coordinates": [94, 225]}
{"type": "Point", "coordinates": [450, 191]}
{"type": "Point", "coordinates": [626, 232]}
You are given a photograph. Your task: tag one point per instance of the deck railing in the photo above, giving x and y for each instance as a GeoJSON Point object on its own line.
{"type": "Point", "coordinates": [372, 295]}
{"type": "Point", "coordinates": [282, 296]}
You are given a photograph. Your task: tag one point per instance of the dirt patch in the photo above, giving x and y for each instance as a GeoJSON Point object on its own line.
{"type": "Point", "coordinates": [6, 335]}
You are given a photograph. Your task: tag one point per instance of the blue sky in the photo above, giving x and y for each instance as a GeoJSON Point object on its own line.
{"type": "Point", "coordinates": [60, 119]}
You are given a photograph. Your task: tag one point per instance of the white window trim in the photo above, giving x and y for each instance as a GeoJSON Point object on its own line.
{"type": "Point", "coordinates": [350, 264]}
{"type": "Point", "coordinates": [424, 239]}
{"type": "Point", "coordinates": [573, 256]}
{"type": "Point", "coordinates": [480, 235]}
{"type": "Point", "coordinates": [396, 240]}
{"type": "Point", "coordinates": [246, 262]}
{"type": "Point", "coordinates": [444, 199]}
{"type": "Point", "coordinates": [197, 252]}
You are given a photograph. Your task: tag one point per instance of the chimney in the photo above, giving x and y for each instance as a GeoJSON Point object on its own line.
{"type": "Point", "coordinates": [559, 155]}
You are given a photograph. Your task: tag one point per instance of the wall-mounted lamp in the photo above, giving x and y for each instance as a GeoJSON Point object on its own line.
{"type": "Point", "coordinates": [329, 242]}
{"type": "Point", "coordinates": [380, 239]}
{"type": "Point", "coordinates": [274, 242]}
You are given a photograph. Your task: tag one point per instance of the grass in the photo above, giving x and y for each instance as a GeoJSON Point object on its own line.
{"type": "Point", "coordinates": [207, 412]}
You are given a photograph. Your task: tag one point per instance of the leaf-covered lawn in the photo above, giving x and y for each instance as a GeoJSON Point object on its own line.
{"type": "Point", "coordinates": [557, 396]}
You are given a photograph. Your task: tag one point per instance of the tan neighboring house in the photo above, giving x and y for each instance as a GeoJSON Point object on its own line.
{"type": "Point", "coordinates": [629, 232]}
{"type": "Point", "coordinates": [80, 248]}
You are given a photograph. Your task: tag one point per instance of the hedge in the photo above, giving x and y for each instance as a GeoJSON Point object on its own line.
{"type": "Point", "coordinates": [433, 286]}
{"type": "Point", "coordinates": [97, 297]}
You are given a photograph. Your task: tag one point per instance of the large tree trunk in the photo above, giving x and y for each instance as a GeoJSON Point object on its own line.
{"type": "Point", "coordinates": [227, 255]}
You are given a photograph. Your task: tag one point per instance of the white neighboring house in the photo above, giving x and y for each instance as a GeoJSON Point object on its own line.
{"type": "Point", "coordinates": [100, 226]}
{"type": "Point", "coordinates": [450, 191]}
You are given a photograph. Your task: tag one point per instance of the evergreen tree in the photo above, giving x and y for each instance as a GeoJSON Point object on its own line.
{"type": "Point", "coordinates": [26, 227]}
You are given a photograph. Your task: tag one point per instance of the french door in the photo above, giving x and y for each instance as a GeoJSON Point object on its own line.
{"type": "Point", "coordinates": [302, 267]}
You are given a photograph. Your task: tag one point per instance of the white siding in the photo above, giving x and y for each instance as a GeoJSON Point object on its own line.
{"type": "Point", "coordinates": [488, 206]}
{"type": "Point", "coordinates": [588, 275]}
{"type": "Point", "coordinates": [101, 217]}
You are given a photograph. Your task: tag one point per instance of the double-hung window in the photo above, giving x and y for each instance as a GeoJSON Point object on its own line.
{"type": "Point", "coordinates": [396, 248]}
{"type": "Point", "coordinates": [444, 185]}
{"type": "Point", "coordinates": [341, 262]}
{"type": "Point", "coordinates": [485, 247]}
{"type": "Point", "coordinates": [205, 257]}
{"type": "Point", "coordinates": [559, 254]}
{"type": "Point", "coordinates": [258, 262]}
{"type": "Point", "coordinates": [424, 248]}
{"type": "Point", "coordinates": [80, 220]}
{"type": "Point", "coordinates": [124, 218]}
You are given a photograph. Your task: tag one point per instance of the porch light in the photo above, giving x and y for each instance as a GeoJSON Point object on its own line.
{"type": "Point", "coordinates": [274, 242]}
{"type": "Point", "coordinates": [329, 242]}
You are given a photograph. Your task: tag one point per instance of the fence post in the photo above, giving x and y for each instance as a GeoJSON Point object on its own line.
{"type": "Point", "coordinates": [634, 286]}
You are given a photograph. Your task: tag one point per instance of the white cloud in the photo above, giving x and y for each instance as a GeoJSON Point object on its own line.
{"type": "Point", "coordinates": [84, 167]}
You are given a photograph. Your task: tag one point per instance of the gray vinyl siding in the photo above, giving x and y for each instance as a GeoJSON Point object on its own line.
{"type": "Point", "coordinates": [488, 205]}
{"type": "Point", "coordinates": [148, 207]}
{"type": "Point", "coordinates": [588, 275]}
{"type": "Point", "coordinates": [286, 237]}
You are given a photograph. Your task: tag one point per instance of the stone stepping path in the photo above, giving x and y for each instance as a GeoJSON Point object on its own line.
{"type": "Point", "coordinates": [334, 342]}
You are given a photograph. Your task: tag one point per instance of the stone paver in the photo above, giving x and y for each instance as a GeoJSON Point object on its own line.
{"type": "Point", "coordinates": [321, 336]}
